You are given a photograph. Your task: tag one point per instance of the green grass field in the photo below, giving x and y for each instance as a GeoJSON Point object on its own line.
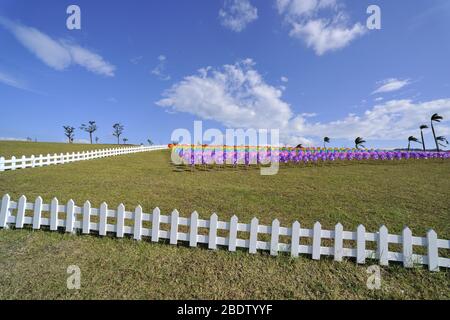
{"type": "Point", "coordinates": [395, 193]}
{"type": "Point", "coordinates": [22, 148]}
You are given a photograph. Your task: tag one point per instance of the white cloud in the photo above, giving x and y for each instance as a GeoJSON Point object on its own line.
{"type": "Point", "coordinates": [234, 95]}
{"type": "Point", "coordinates": [392, 120]}
{"type": "Point", "coordinates": [12, 139]}
{"type": "Point", "coordinates": [323, 34]}
{"type": "Point", "coordinates": [237, 96]}
{"type": "Point", "coordinates": [390, 85]}
{"type": "Point", "coordinates": [57, 54]}
{"type": "Point", "coordinates": [237, 14]}
{"type": "Point", "coordinates": [159, 70]}
{"type": "Point", "coordinates": [284, 79]}
{"type": "Point", "coordinates": [379, 99]}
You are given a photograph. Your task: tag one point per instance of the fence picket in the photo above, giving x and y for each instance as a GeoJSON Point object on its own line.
{"type": "Point", "coordinates": [87, 217]}
{"type": "Point", "coordinates": [338, 242]}
{"type": "Point", "coordinates": [233, 233]}
{"type": "Point", "coordinates": [361, 244]}
{"type": "Point", "coordinates": [120, 223]}
{"type": "Point", "coordinates": [13, 163]}
{"type": "Point", "coordinates": [70, 218]}
{"type": "Point", "coordinates": [174, 227]}
{"type": "Point", "coordinates": [407, 248]}
{"type": "Point", "coordinates": [23, 162]}
{"type": "Point", "coordinates": [433, 254]}
{"type": "Point", "coordinates": [317, 239]}
{"type": "Point", "coordinates": [2, 164]}
{"type": "Point", "coordinates": [20, 215]}
{"type": "Point", "coordinates": [4, 211]}
{"type": "Point", "coordinates": [253, 235]}
{"type": "Point", "coordinates": [54, 214]}
{"type": "Point", "coordinates": [193, 229]}
{"type": "Point", "coordinates": [295, 239]}
{"type": "Point", "coordinates": [103, 219]}
{"type": "Point", "coordinates": [37, 213]}
{"type": "Point", "coordinates": [383, 246]}
{"type": "Point", "coordinates": [275, 235]}
{"type": "Point", "coordinates": [155, 225]}
{"type": "Point", "coordinates": [212, 239]}
{"type": "Point", "coordinates": [137, 231]}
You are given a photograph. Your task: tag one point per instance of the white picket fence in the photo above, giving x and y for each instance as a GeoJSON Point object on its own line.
{"type": "Point", "coordinates": [131, 223]}
{"type": "Point", "coordinates": [61, 158]}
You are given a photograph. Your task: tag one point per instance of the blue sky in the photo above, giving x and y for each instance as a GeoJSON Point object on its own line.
{"type": "Point", "coordinates": [308, 67]}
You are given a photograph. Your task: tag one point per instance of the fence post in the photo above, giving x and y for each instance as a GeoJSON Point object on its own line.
{"type": "Point", "coordinates": [174, 227]}
{"type": "Point", "coordinates": [233, 233]}
{"type": "Point", "coordinates": [295, 239]}
{"type": "Point", "coordinates": [20, 215]}
{"type": "Point", "coordinates": [87, 217]}
{"type": "Point", "coordinates": [275, 234]}
{"type": "Point", "coordinates": [407, 248]}
{"type": "Point", "coordinates": [33, 159]}
{"type": "Point", "coordinates": [338, 242]}
{"type": "Point", "coordinates": [383, 246]}
{"type": "Point", "coordinates": [62, 158]}
{"type": "Point", "coordinates": [212, 232]}
{"type": "Point", "coordinates": [103, 219]}
{"type": "Point", "coordinates": [24, 162]}
{"type": "Point", "coordinates": [137, 234]}
{"type": "Point", "coordinates": [40, 160]}
{"type": "Point", "coordinates": [13, 163]}
{"type": "Point", "coordinates": [4, 211]}
{"type": "Point", "coordinates": [55, 159]}
{"type": "Point", "coordinates": [120, 221]}
{"type": "Point", "coordinates": [48, 159]}
{"type": "Point", "coordinates": [70, 216]}
{"type": "Point", "coordinates": [193, 229]}
{"type": "Point", "coordinates": [253, 235]}
{"type": "Point", "coordinates": [433, 254]}
{"type": "Point", "coordinates": [2, 163]}
{"type": "Point", "coordinates": [155, 224]}
{"type": "Point", "coordinates": [361, 244]}
{"type": "Point", "coordinates": [37, 213]}
{"type": "Point", "coordinates": [317, 236]}
{"type": "Point", "coordinates": [54, 214]}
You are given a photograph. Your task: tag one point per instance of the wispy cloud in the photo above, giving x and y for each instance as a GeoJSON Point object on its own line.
{"type": "Point", "coordinates": [237, 14]}
{"type": "Point", "coordinates": [284, 79]}
{"type": "Point", "coordinates": [321, 33]}
{"type": "Point", "coordinates": [57, 54]}
{"type": "Point", "coordinates": [160, 69]}
{"type": "Point", "coordinates": [390, 85]}
{"type": "Point", "coordinates": [12, 81]}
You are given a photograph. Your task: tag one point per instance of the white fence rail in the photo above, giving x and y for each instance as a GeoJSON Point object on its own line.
{"type": "Point", "coordinates": [131, 223]}
{"type": "Point", "coordinates": [61, 158]}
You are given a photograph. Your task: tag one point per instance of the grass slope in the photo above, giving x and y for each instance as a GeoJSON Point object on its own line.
{"type": "Point", "coordinates": [22, 148]}
{"type": "Point", "coordinates": [413, 193]}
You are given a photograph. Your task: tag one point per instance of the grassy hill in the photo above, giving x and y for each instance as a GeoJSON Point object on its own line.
{"type": "Point", "coordinates": [20, 148]}
{"type": "Point", "coordinates": [394, 193]}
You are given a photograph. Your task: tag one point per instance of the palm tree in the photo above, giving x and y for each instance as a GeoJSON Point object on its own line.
{"type": "Point", "coordinates": [325, 140]}
{"type": "Point", "coordinates": [442, 139]}
{"type": "Point", "coordinates": [125, 140]}
{"type": "Point", "coordinates": [437, 118]}
{"type": "Point", "coordinates": [424, 126]}
{"type": "Point", "coordinates": [150, 142]}
{"type": "Point", "coordinates": [359, 142]}
{"type": "Point", "coordinates": [412, 139]}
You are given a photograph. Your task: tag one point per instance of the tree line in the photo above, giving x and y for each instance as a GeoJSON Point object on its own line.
{"type": "Point", "coordinates": [91, 127]}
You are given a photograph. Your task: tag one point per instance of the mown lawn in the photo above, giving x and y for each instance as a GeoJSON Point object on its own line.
{"type": "Point", "coordinates": [394, 193]}
{"type": "Point", "coordinates": [22, 148]}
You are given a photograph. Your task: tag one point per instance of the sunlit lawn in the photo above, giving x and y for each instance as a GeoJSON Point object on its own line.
{"type": "Point", "coordinates": [395, 193]}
